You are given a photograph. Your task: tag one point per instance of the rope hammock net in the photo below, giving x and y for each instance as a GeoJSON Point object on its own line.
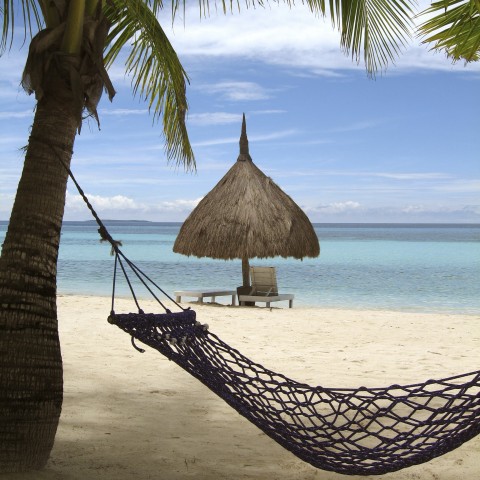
{"type": "Point", "coordinates": [360, 431]}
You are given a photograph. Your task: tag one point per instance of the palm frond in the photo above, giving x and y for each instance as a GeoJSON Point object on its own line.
{"type": "Point", "coordinates": [157, 74]}
{"type": "Point", "coordinates": [28, 10]}
{"type": "Point", "coordinates": [376, 29]}
{"type": "Point", "coordinates": [455, 28]}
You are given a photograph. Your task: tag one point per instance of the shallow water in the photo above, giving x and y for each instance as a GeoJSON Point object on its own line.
{"type": "Point", "coordinates": [400, 267]}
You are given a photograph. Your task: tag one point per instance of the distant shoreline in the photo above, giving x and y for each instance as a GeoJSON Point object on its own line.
{"type": "Point", "coordinates": [303, 308]}
{"type": "Point", "coordinates": [318, 224]}
{"type": "Point", "coordinates": [113, 222]}
{"type": "Point", "coordinates": [412, 267]}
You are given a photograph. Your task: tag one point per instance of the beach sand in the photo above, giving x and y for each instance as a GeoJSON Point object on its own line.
{"type": "Point", "coordinates": [128, 415]}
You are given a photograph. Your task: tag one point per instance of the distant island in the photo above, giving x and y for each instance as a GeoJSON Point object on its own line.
{"type": "Point", "coordinates": [119, 222]}
{"type": "Point", "coordinates": [111, 222]}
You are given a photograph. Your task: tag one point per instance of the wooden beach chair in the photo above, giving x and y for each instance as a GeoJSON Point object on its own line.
{"type": "Point", "coordinates": [264, 288]}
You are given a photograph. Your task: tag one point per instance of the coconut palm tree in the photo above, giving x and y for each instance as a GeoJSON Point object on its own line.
{"type": "Point", "coordinates": [74, 42]}
{"type": "Point", "coordinates": [66, 70]}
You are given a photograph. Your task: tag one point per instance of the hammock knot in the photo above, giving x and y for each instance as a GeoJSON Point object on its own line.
{"type": "Point", "coordinates": [106, 237]}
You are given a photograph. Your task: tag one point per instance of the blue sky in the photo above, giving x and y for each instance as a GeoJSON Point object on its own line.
{"type": "Point", "coordinates": [400, 148]}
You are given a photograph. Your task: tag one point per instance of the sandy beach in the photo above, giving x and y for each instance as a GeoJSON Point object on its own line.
{"type": "Point", "coordinates": [128, 415]}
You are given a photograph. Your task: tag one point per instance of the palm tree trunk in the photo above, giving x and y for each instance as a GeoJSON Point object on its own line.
{"type": "Point", "coordinates": [31, 373]}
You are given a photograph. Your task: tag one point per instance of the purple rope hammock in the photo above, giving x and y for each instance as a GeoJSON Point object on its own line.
{"type": "Point", "coordinates": [362, 431]}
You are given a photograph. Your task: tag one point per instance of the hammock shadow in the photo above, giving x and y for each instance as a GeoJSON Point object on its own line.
{"type": "Point", "coordinates": [164, 424]}
{"type": "Point", "coordinates": [170, 429]}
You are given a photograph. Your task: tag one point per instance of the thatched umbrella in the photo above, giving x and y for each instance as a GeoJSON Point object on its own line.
{"type": "Point", "coordinates": [247, 215]}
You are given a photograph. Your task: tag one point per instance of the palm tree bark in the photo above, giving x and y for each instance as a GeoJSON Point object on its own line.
{"type": "Point", "coordinates": [31, 373]}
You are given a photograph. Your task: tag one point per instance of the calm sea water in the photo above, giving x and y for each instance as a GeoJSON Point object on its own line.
{"type": "Point", "coordinates": [402, 267]}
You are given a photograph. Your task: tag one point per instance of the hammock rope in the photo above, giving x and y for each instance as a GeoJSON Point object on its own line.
{"type": "Point", "coordinates": [361, 431]}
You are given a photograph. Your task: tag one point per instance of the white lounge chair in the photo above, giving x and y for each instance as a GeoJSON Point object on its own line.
{"type": "Point", "coordinates": [264, 288]}
{"type": "Point", "coordinates": [201, 294]}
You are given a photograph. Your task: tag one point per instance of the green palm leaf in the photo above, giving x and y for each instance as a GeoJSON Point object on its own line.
{"type": "Point", "coordinates": [455, 28]}
{"type": "Point", "coordinates": [157, 74]}
{"type": "Point", "coordinates": [378, 28]}
{"type": "Point", "coordinates": [32, 19]}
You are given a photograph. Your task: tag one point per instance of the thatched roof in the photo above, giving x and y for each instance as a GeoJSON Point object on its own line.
{"type": "Point", "coordinates": [247, 215]}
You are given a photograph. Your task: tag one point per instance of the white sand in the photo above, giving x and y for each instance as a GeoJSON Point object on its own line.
{"type": "Point", "coordinates": [128, 415]}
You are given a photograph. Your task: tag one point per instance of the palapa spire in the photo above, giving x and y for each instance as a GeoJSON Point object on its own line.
{"type": "Point", "coordinates": [244, 153]}
{"type": "Point", "coordinates": [247, 215]}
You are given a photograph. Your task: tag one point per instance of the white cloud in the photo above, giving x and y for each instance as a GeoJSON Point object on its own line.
{"type": "Point", "coordinates": [335, 207]}
{"type": "Point", "coordinates": [224, 118]}
{"type": "Point", "coordinates": [409, 176]}
{"type": "Point", "coordinates": [235, 91]}
{"type": "Point", "coordinates": [117, 206]}
{"type": "Point", "coordinates": [13, 115]}
{"type": "Point", "coordinates": [214, 118]}
{"type": "Point", "coordinates": [354, 127]}
{"type": "Point", "coordinates": [459, 186]}
{"type": "Point", "coordinates": [265, 35]}
{"type": "Point", "coordinates": [415, 209]}
{"type": "Point", "coordinates": [323, 72]}
{"type": "Point", "coordinates": [179, 205]}
{"type": "Point", "coordinates": [14, 141]}
{"type": "Point", "coordinates": [253, 32]}
{"type": "Point", "coordinates": [267, 112]}
{"type": "Point", "coordinates": [116, 202]}
{"type": "Point", "coordinates": [122, 207]}
{"type": "Point", "coordinates": [472, 208]}
{"type": "Point", "coordinates": [254, 138]}
{"type": "Point", "coordinates": [436, 210]}
{"type": "Point", "coordinates": [351, 211]}
{"type": "Point", "coordinates": [123, 112]}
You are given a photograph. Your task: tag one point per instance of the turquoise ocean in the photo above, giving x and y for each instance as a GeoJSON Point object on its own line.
{"type": "Point", "coordinates": [407, 267]}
